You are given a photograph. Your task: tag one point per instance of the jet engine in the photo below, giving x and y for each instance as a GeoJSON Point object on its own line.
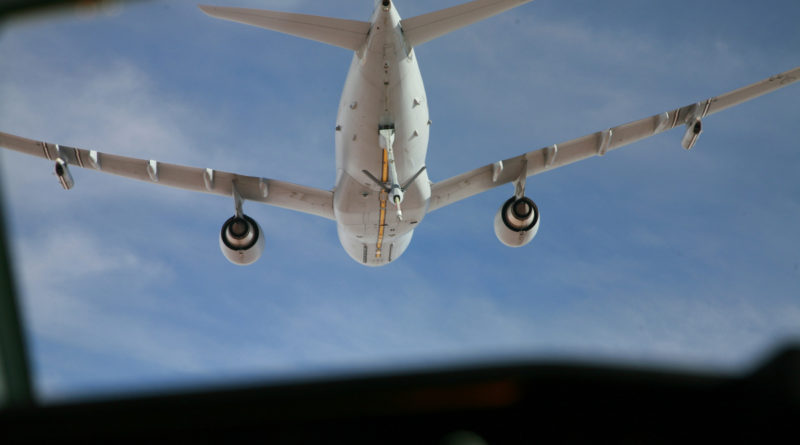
{"type": "Point", "coordinates": [517, 222]}
{"type": "Point", "coordinates": [63, 174]}
{"type": "Point", "coordinates": [693, 130]}
{"type": "Point", "coordinates": [241, 240]}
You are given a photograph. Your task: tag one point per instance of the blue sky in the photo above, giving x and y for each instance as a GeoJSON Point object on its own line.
{"type": "Point", "coordinates": [649, 255]}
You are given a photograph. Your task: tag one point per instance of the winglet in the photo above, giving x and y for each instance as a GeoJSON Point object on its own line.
{"type": "Point", "coordinates": [349, 34]}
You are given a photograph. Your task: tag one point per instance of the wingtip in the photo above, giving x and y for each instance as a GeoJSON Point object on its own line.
{"type": "Point", "coordinates": [206, 8]}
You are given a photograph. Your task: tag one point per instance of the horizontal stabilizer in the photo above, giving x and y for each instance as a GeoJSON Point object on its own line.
{"type": "Point", "coordinates": [349, 34]}
{"type": "Point", "coordinates": [426, 27]}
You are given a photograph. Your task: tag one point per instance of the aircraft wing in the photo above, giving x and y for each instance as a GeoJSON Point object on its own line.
{"type": "Point", "coordinates": [597, 144]}
{"type": "Point", "coordinates": [269, 191]}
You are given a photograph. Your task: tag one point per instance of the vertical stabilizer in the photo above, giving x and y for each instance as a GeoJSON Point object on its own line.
{"type": "Point", "coordinates": [426, 27]}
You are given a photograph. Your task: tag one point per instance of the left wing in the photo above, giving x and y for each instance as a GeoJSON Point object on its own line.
{"type": "Point", "coordinates": [597, 144]}
{"type": "Point", "coordinates": [269, 191]}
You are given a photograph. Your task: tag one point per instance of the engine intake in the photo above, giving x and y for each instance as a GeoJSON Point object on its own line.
{"type": "Point", "coordinates": [517, 222]}
{"type": "Point", "coordinates": [241, 240]}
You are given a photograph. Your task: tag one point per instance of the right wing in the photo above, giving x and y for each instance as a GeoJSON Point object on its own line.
{"type": "Point", "coordinates": [269, 191]}
{"type": "Point", "coordinates": [597, 144]}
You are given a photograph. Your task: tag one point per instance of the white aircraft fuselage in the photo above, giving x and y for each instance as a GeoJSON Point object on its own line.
{"type": "Point", "coordinates": [383, 91]}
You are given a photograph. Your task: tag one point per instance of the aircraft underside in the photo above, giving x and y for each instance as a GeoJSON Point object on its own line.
{"type": "Point", "coordinates": [382, 187]}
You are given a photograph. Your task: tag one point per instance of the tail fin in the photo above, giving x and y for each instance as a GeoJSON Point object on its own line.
{"type": "Point", "coordinates": [349, 34]}
{"type": "Point", "coordinates": [426, 27]}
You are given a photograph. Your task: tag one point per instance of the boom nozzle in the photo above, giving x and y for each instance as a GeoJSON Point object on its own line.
{"type": "Point", "coordinates": [397, 201]}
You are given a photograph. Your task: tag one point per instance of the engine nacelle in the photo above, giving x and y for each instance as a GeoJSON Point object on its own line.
{"type": "Point", "coordinates": [63, 174]}
{"type": "Point", "coordinates": [517, 222]}
{"type": "Point", "coordinates": [693, 130]}
{"type": "Point", "coordinates": [241, 240]}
